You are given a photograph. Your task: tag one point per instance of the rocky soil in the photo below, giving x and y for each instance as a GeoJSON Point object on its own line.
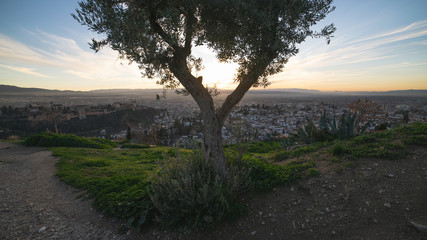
{"type": "Point", "coordinates": [370, 199]}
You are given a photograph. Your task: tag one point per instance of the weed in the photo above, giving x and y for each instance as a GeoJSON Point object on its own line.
{"type": "Point", "coordinates": [349, 165]}
{"type": "Point", "coordinates": [334, 160]}
{"type": "Point", "coordinates": [311, 172]}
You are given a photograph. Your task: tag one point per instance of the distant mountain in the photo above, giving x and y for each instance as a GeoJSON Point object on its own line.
{"type": "Point", "coordinates": [8, 89]}
{"type": "Point", "coordinates": [13, 90]}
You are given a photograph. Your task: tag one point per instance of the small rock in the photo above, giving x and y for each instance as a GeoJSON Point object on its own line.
{"type": "Point", "coordinates": [387, 205]}
{"type": "Point", "coordinates": [302, 226]}
{"type": "Point", "coordinates": [262, 222]}
{"type": "Point", "coordinates": [407, 209]}
{"type": "Point", "coordinates": [327, 209]}
{"type": "Point", "coordinates": [128, 232]}
{"type": "Point", "coordinates": [390, 175]}
{"type": "Point", "coordinates": [260, 213]}
{"type": "Point", "coordinates": [375, 220]}
{"type": "Point", "coordinates": [42, 229]}
{"type": "Point", "coordinates": [253, 233]}
{"type": "Point", "coordinates": [333, 233]}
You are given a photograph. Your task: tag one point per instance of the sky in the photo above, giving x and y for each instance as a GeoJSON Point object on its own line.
{"type": "Point", "coordinates": [379, 45]}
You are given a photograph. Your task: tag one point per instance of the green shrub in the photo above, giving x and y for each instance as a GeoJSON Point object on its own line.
{"type": "Point", "coordinates": [282, 155]}
{"type": "Point", "coordinates": [414, 129]}
{"type": "Point", "coordinates": [132, 145]}
{"type": "Point", "coordinates": [298, 152]}
{"type": "Point", "coordinates": [67, 140]}
{"type": "Point", "coordinates": [339, 149]}
{"type": "Point", "coordinates": [264, 147]}
{"type": "Point", "coordinates": [420, 140]}
{"type": "Point", "coordinates": [187, 190]}
{"type": "Point", "coordinates": [367, 138]}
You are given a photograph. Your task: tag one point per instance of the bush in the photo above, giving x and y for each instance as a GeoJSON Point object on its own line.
{"type": "Point", "coordinates": [339, 149]}
{"type": "Point", "coordinates": [189, 191]}
{"type": "Point", "coordinates": [67, 140]}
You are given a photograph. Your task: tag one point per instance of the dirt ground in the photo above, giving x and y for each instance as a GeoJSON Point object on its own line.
{"type": "Point", "coordinates": [372, 199]}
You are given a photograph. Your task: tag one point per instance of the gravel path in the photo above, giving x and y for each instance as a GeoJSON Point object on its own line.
{"type": "Point", "coordinates": [34, 204]}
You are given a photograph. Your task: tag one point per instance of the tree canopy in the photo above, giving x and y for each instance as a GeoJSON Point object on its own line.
{"type": "Point", "coordinates": [259, 35]}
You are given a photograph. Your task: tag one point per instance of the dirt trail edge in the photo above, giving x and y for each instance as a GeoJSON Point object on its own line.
{"type": "Point", "coordinates": [35, 204]}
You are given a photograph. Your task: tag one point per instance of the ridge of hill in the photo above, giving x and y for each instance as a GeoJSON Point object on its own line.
{"type": "Point", "coordinates": [13, 90]}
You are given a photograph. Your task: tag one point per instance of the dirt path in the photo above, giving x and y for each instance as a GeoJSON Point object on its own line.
{"type": "Point", "coordinates": [373, 199]}
{"type": "Point", "coordinates": [34, 204]}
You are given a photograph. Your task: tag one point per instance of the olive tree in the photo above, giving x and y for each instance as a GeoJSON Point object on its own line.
{"type": "Point", "coordinates": [159, 35]}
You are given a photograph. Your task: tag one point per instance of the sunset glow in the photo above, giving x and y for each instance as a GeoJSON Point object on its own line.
{"type": "Point", "coordinates": [373, 50]}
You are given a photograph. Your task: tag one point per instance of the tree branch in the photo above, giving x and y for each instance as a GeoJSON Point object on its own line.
{"type": "Point", "coordinates": [159, 30]}
{"type": "Point", "coordinates": [179, 68]}
{"type": "Point", "coordinates": [245, 84]}
{"type": "Point", "coordinates": [190, 20]}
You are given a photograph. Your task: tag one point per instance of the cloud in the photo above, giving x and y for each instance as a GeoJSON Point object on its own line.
{"type": "Point", "coordinates": [420, 25]}
{"type": "Point", "coordinates": [348, 59]}
{"type": "Point", "coordinates": [67, 60]}
{"type": "Point", "coordinates": [30, 71]}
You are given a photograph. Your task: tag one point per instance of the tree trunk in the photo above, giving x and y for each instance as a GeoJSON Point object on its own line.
{"type": "Point", "coordinates": [212, 143]}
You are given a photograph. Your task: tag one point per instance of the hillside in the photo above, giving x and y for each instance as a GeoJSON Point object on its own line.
{"type": "Point", "coordinates": [368, 187]}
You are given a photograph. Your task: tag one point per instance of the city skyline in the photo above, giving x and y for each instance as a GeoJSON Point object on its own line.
{"type": "Point", "coordinates": [378, 46]}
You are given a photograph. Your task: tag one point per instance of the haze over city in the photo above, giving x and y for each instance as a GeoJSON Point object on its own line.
{"type": "Point", "coordinates": [378, 46]}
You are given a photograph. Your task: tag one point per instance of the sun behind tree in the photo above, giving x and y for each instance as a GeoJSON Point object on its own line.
{"type": "Point", "coordinates": [259, 35]}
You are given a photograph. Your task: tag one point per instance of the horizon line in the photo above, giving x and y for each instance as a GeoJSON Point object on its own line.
{"type": "Point", "coordinates": [225, 89]}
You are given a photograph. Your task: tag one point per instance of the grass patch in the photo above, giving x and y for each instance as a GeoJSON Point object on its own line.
{"type": "Point", "coordinates": [298, 152]}
{"type": "Point", "coordinates": [133, 146]}
{"type": "Point", "coordinates": [117, 180]}
{"type": "Point", "coordinates": [265, 176]}
{"type": "Point", "coordinates": [67, 140]}
{"type": "Point", "coordinates": [416, 140]}
{"type": "Point", "coordinates": [264, 147]}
